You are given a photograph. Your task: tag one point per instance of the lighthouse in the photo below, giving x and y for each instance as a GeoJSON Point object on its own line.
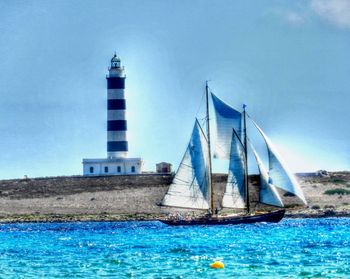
{"type": "Point", "coordinates": [117, 161]}
{"type": "Point", "coordinates": [117, 144]}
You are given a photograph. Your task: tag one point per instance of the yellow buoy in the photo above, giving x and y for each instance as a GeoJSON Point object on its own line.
{"type": "Point", "coordinates": [217, 265]}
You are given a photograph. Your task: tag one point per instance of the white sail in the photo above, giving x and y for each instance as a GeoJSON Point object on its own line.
{"type": "Point", "coordinates": [234, 196]}
{"type": "Point", "coordinates": [227, 119]}
{"type": "Point", "coordinates": [279, 174]}
{"type": "Point", "coordinates": [268, 192]}
{"type": "Point", "coordinates": [190, 186]}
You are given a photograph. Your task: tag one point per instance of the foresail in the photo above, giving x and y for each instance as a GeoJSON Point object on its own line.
{"type": "Point", "coordinates": [190, 186]}
{"type": "Point", "coordinates": [234, 196]}
{"type": "Point", "coordinates": [268, 192]}
{"type": "Point", "coordinates": [227, 119]}
{"type": "Point", "coordinates": [278, 172]}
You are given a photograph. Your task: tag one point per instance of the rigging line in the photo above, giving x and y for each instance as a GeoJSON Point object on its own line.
{"type": "Point", "coordinates": [181, 180]}
{"type": "Point", "coordinates": [210, 91]}
{"type": "Point", "coordinates": [249, 141]}
{"type": "Point", "coordinates": [219, 147]}
{"type": "Point", "coordinates": [200, 104]}
{"type": "Point", "coordinates": [249, 116]}
{"type": "Point", "coordinates": [203, 124]}
{"type": "Point", "coordinates": [203, 121]}
{"type": "Point", "coordinates": [200, 127]}
{"type": "Point", "coordinates": [187, 165]}
{"type": "Point", "coordinates": [235, 133]}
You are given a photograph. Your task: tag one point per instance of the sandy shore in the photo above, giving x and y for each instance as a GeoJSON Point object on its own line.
{"type": "Point", "coordinates": [137, 198]}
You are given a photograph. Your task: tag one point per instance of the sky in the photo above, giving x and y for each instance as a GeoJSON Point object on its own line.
{"type": "Point", "coordinates": [288, 61]}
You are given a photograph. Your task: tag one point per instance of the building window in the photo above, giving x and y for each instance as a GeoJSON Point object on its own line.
{"type": "Point", "coordinates": [119, 169]}
{"type": "Point", "coordinates": [91, 169]}
{"type": "Point", "coordinates": [132, 169]}
{"type": "Point", "coordinates": [106, 169]}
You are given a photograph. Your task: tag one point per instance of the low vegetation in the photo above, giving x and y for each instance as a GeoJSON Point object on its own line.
{"type": "Point", "coordinates": [338, 181]}
{"type": "Point", "coordinates": [292, 205]}
{"type": "Point", "coordinates": [337, 191]}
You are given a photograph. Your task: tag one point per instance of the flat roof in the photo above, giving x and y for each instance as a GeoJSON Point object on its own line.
{"type": "Point", "coordinates": [111, 160]}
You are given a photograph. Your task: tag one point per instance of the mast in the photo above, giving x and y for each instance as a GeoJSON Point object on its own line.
{"type": "Point", "coordinates": [246, 159]}
{"type": "Point", "coordinates": [209, 153]}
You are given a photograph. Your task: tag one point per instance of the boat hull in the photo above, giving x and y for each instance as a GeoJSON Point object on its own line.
{"type": "Point", "coordinates": [271, 217]}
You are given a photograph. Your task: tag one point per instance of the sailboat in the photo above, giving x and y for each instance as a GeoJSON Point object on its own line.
{"type": "Point", "coordinates": [192, 186]}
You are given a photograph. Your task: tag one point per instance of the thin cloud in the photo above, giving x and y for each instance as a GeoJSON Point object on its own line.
{"type": "Point", "coordinates": [291, 17]}
{"type": "Point", "coordinates": [336, 12]}
{"type": "Point", "coordinates": [294, 18]}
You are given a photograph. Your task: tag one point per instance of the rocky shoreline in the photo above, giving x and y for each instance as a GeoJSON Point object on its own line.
{"type": "Point", "coordinates": [318, 214]}
{"type": "Point", "coordinates": [28, 218]}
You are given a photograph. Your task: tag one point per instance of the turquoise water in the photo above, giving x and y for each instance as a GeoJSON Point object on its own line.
{"type": "Point", "coordinates": [292, 248]}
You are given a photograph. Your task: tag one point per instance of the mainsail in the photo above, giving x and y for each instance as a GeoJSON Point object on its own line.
{"type": "Point", "coordinates": [227, 119]}
{"type": "Point", "coordinates": [190, 186]}
{"type": "Point", "coordinates": [234, 196]}
{"type": "Point", "coordinates": [278, 172]}
{"type": "Point", "coordinates": [268, 192]}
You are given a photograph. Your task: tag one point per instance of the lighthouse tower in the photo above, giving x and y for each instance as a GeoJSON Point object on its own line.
{"type": "Point", "coordinates": [117, 161]}
{"type": "Point", "coordinates": [117, 144]}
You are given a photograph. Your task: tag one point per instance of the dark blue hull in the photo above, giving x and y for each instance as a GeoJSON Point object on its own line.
{"type": "Point", "coordinates": [271, 217]}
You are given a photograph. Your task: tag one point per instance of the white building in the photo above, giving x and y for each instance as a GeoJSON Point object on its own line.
{"type": "Point", "coordinates": [117, 162]}
{"type": "Point", "coordinates": [117, 166]}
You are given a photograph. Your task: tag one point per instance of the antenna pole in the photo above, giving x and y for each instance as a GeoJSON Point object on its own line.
{"type": "Point", "coordinates": [246, 159]}
{"type": "Point", "coordinates": [209, 152]}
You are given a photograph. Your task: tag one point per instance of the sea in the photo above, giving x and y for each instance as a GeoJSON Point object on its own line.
{"type": "Point", "coordinates": [293, 248]}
